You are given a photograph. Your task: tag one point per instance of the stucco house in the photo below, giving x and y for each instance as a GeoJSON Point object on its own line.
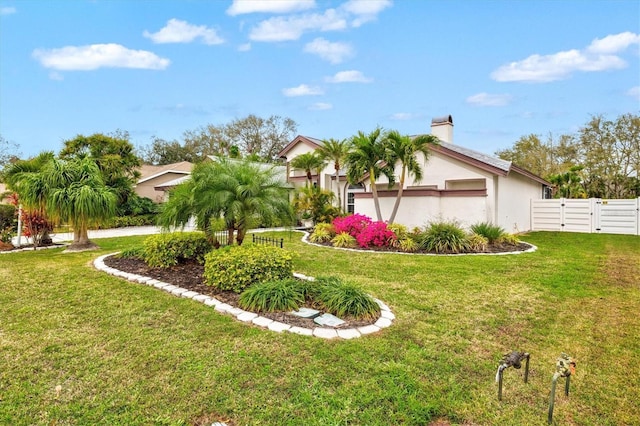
{"type": "Point", "coordinates": [152, 179]}
{"type": "Point", "coordinates": [458, 184]}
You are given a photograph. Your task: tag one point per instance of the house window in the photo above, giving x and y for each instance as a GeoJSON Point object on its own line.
{"type": "Point", "coordinates": [351, 203]}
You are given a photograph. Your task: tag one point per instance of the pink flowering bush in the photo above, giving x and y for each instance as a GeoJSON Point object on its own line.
{"type": "Point", "coordinates": [352, 225]}
{"type": "Point", "coordinates": [376, 234]}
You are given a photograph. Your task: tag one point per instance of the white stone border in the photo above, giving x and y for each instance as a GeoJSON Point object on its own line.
{"type": "Point", "coordinates": [21, 249]}
{"type": "Point", "coordinates": [385, 320]}
{"type": "Point", "coordinates": [531, 249]}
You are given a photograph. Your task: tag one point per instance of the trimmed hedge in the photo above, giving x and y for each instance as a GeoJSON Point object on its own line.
{"type": "Point", "coordinates": [237, 267]}
{"type": "Point", "coordinates": [165, 250]}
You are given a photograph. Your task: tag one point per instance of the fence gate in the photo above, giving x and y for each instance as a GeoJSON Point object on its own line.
{"type": "Point", "coordinates": [594, 215]}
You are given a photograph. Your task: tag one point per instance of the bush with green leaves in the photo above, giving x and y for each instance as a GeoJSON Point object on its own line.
{"type": "Point", "coordinates": [132, 253]}
{"type": "Point", "coordinates": [407, 245]}
{"type": "Point", "coordinates": [344, 240]}
{"type": "Point", "coordinates": [510, 239]}
{"type": "Point", "coordinates": [488, 230]}
{"type": "Point", "coordinates": [8, 216]}
{"type": "Point", "coordinates": [400, 230]}
{"type": "Point", "coordinates": [477, 243]}
{"type": "Point", "coordinates": [345, 299]}
{"type": "Point", "coordinates": [273, 296]}
{"type": "Point", "coordinates": [444, 237]}
{"type": "Point", "coordinates": [320, 235]}
{"type": "Point", "coordinates": [237, 267]}
{"type": "Point", "coordinates": [169, 249]}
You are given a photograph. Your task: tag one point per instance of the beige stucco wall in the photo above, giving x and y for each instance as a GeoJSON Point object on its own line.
{"type": "Point", "coordinates": [146, 189]}
{"type": "Point", "coordinates": [513, 210]}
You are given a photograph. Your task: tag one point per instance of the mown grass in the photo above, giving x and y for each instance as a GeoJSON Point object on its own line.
{"type": "Point", "coordinates": [125, 354]}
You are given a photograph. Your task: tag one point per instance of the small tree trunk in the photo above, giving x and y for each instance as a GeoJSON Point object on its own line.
{"type": "Point", "coordinates": [240, 236]}
{"type": "Point", "coordinates": [399, 197]}
{"type": "Point", "coordinates": [230, 232]}
{"type": "Point", "coordinates": [337, 167]}
{"type": "Point", "coordinates": [81, 240]}
{"type": "Point", "coordinates": [374, 190]}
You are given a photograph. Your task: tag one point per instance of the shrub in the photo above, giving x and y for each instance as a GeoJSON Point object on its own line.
{"type": "Point", "coordinates": [508, 239]}
{"type": "Point", "coordinates": [444, 237]}
{"type": "Point", "coordinates": [165, 250]}
{"type": "Point", "coordinates": [134, 252]}
{"type": "Point", "coordinates": [407, 245]}
{"type": "Point", "coordinates": [345, 299]}
{"type": "Point", "coordinates": [343, 240]}
{"type": "Point", "coordinates": [320, 235]}
{"type": "Point", "coordinates": [325, 227]}
{"type": "Point", "coordinates": [477, 243]}
{"type": "Point", "coordinates": [237, 267]}
{"type": "Point", "coordinates": [273, 296]}
{"type": "Point", "coordinates": [376, 234]}
{"type": "Point", "coordinates": [491, 232]}
{"type": "Point", "coordinates": [399, 230]}
{"type": "Point", "coordinates": [8, 216]}
{"type": "Point", "coordinates": [352, 225]}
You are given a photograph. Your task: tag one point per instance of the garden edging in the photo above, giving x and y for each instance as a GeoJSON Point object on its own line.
{"type": "Point", "coordinates": [385, 320]}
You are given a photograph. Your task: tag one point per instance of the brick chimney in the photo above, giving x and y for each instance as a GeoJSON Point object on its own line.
{"type": "Point", "coordinates": [442, 128]}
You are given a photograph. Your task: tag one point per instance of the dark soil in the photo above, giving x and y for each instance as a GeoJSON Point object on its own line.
{"type": "Point", "coordinates": [189, 276]}
{"type": "Point", "coordinates": [491, 249]}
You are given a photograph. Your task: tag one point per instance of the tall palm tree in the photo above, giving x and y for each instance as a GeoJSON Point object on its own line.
{"type": "Point", "coordinates": [335, 151]}
{"type": "Point", "coordinates": [368, 157]}
{"type": "Point", "coordinates": [79, 196]}
{"type": "Point", "coordinates": [309, 162]}
{"type": "Point", "coordinates": [403, 149]}
{"type": "Point", "coordinates": [242, 193]}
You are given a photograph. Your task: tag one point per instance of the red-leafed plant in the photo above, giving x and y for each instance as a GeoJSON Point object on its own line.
{"type": "Point", "coordinates": [376, 234]}
{"type": "Point", "coordinates": [352, 225]}
{"type": "Point", "coordinates": [35, 224]}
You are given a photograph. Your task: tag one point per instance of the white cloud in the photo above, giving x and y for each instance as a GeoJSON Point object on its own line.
{"type": "Point", "coordinates": [332, 52]}
{"type": "Point", "coordinates": [292, 27]}
{"type": "Point", "coordinates": [84, 58]}
{"type": "Point", "coordinates": [598, 56]}
{"type": "Point", "coordinates": [487, 99]}
{"type": "Point", "coordinates": [350, 76]}
{"type": "Point", "coordinates": [7, 10]}
{"type": "Point", "coordinates": [302, 90]}
{"type": "Point", "coordinates": [320, 106]}
{"type": "Point", "coordinates": [402, 116]}
{"type": "Point", "coordinates": [614, 43]}
{"type": "Point", "coordinates": [244, 47]}
{"type": "Point", "coordinates": [365, 11]}
{"type": "Point", "coordinates": [239, 7]}
{"type": "Point", "coordinates": [177, 31]}
{"type": "Point", "coordinates": [634, 92]}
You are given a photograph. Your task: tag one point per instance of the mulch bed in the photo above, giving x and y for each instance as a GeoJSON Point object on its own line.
{"type": "Point", "coordinates": [189, 276]}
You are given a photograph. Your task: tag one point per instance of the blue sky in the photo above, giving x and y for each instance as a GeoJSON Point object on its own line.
{"type": "Point", "coordinates": [502, 69]}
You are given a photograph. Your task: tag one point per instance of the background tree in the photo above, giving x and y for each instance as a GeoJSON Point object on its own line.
{"type": "Point", "coordinates": [403, 149]}
{"type": "Point", "coordinates": [242, 193]}
{"type": "Point", "coordinates": [367, 156]}
{"type": "Point", "coordinates": [569, 184]}
{"type": "Point", "coordinates": [162, 152]}
{"type": "Point", "coordinates": [309, 162]}
{"type": "Point", "coordinates": [259, 137]}
{"type": "Point", "coordinates": [114, 156]}
{"type": "Point", "coordinates": [335, 151]}
{"type": "Point", "coordinates": [8, 152]}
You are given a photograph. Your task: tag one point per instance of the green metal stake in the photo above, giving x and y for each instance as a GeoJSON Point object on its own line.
{"type": "Point", "coordinates": [564, 367]}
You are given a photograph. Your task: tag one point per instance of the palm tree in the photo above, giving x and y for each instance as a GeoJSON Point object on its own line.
{"type": "Point", "coordinates": [335, 151]}
{"type": "Point", "coordinates": [79, 196]}
{"type": "Point", "coordinates": [70, 191]}
{"type": "Point", "coordinates": [242, 193]}
{"type": "Point", "coordinates": [368, 157]}
{"type": "Point", "coordinates": [309, 162]}
{"type": "Point", "coordinates": [403, 149]}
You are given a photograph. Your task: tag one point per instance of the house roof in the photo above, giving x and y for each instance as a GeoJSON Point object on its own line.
{"type": "Point", "coordinates": [149, 172]}
{"type": "Point", "coordinates": [170, 184]}
{"type": "Point", "coordinates": [312, 142]}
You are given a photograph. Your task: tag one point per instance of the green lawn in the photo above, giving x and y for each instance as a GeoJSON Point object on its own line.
{"type": "Point", "coordinates": [79, 347]}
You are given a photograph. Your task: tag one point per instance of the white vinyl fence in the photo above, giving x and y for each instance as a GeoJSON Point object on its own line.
{"type": "Point", "coordinates": [593, 215]}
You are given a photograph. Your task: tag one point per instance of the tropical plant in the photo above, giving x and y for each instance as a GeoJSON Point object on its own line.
{"type": "Point", "coordinates": [510, 239]}
{"type": "Point", "coordinates": [408, 245]}
{"type": "Point", "coordinates": [403, 149]}
{"type": "Point", "coordinates": [344, 240]}
{"type": "Point", "coordinates": [444, 237]}
{"type": "Point", "coordinates": [367, 157]}
{"type": "Point", "coordinates": [345, 299]}
{"type": "Point", "coordinates": [488, 230]}
{"type": "Point", "coordinates": [316, 204]}
{"type": "Point", "coordinates": [273, 296]}
{"type": "Point", "coordinates": [335, 151]}
{"type": "Point", "coordinates": [243, 193]}
{"type": "Point", "coordinates": [320, 235]}
{"type": "Point", "coordinates": [309, 162]}
{"type": "Point", "coordinates": [376, 234]}
{"type": "Point", "coordinates": [353, 224]}
{"type": "Point", "coordinates": [477, 243]}
{"type": "Point", "coordinates": [569, 184]}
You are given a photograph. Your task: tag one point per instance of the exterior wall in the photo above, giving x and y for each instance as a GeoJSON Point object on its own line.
{"type": "Point", "coordinates": [146, 189]}
{"type": "Point", "coordinates": [515, 192]}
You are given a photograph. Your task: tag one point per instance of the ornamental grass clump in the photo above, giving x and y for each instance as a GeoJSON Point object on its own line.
{"type": "Point", "coordinates": [344, 299]}
{"type": "Point", "coordinates": [491, 232]}
{"type": "Point", "coordinates": [444, 237]}
{"type": "Point", "coordinates": [344, 240]}
{"type": "Point", "coordinates": [477, 243]}
{"type": "Point", "coordinates": [273, 296]}
{"type": "Point", "coordinates": [322, 233]}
